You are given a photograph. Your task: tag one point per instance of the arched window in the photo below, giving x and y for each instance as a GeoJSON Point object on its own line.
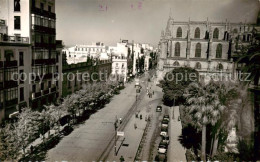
{"type": "Point", "coordinates": [197, 33]}
{"type": "Point", "coordinates": [235, 31]}
{"type": "Point", "coordinates": [198, 50]}
{"type": "Point", "coordinates": [216, 33]}
{"type": "Point", "coordinates": [198, 65]}
{"type": "Point", "coordinates": [219, 51]}
{"type": "Point", "coordinates": [179, 32]}
{"type": "Point", "coordinates": [220, 67]}
{"type": "Point", "coordinates": [177, 49]}
{"type": "Point", "coordinates": [176, 63]}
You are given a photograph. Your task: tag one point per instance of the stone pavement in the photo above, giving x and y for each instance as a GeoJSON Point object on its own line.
{"type": "Point", "coordinates": [176, 152]}
{"type": "Point", "coordinates": [132, 138]}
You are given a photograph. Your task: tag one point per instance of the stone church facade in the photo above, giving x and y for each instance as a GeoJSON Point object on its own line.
{"type": "Point", "coordinates": [205, 46]}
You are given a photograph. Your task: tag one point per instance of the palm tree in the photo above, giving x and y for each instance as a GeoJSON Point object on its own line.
{"type": "Point", "coordinates": [204, 107]}
{"type": "Point", "coordinates": [250, 57]}
{"type": "Point", "coordinates": [226, 92]}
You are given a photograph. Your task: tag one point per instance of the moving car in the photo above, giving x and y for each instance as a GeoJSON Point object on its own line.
{"type": "Point", "coordinates": [159, 108]}
{"type": "Point", "coordinates": [164, 131]}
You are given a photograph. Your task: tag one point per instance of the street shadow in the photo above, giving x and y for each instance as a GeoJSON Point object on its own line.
{"type": "Point", "coordinates": [39, 153]}
{"type": "Point", "coordinates": [190, 137]}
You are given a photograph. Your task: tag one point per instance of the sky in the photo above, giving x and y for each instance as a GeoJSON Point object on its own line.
{"type": "Point", "coordinates": [108, 21]}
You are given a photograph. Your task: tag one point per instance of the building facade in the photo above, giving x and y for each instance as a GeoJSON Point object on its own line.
{"type": "Point", "coordinates": [31, 23]}
{"type": "Point", "coordinates": [76, 75]}
{"type": "Point", "coordinates": [203, 45]}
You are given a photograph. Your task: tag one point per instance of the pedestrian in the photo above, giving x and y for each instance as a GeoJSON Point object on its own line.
{"type": "Point", "coordinates": [136, 115]}
{"type": "Point", "coordinates": [120, 120]}
{"type": "Point", "coordinates": [135, 126]}
{"type": "Point", "coordinates": [122, 159]}
{"type": "Point", "coordinates": [141, 117]}
{"type": "Point", "coordinates": [153, 92]}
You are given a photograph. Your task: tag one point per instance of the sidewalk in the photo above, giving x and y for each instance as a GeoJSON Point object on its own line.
{"type": "Point", "coordinates": [132, 138]}
{"type": "Point", "coordinates": [176, 152]}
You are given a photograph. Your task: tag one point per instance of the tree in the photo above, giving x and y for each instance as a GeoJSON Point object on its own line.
{"type": "Point", "coordinates": [204, 107]}
{"type": "Point", "coordinates": [174, 84]}
{"type": "Point", "coordinates": [9, 147]}
{"type": "Point", "coordinates": [250, 57]}
{"type": "Point", "coordinates": [71, 104]}
{"type": "Point", "coordinates": [226, 91]}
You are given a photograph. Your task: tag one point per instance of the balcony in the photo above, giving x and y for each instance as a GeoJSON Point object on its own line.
{"type": "Point", "coordinates": [43, 61]}
{"type": "Point", "coordinates": [8, 64]}
{"type": "Point", "coordinates": [45, 45]}
{"type": "Point", "coordinates": [11, 102]}
{"type": "Point", "coordinates": [13, 39]}
{"type": "Point", "coordinates": [10, 84]}
{"type": "Point", "coordinates": [44, 29]}
{"type": "Point", "coordinates": [40, 12]}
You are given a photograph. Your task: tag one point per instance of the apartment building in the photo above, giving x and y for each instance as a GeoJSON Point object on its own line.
{"type": "Point", "coordinates": [29, 36]}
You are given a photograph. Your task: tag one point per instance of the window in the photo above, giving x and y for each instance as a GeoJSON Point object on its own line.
{"type": "Point", "coordinates": [198, 50]}
{"type": "Point", "coordinates": [177, 49]}
{"type": "Point", "coordinates": [22, 76]}
{"type": "Point", "coordinates": [179, 32]}
{"type": "Point", "coordinates": [215, 33]}
{"type": "Point", "coordinates": [11, 94]}
{"type": "Point", "coordinates": [197, 33]}
{"type": "Point", "coordinates": [34, 88]}
{"type": "Point", "coordinates": [42, 86]}
{"type": "Point", "coordinates": [220, 67]}
{"type": "Point", "coordinates": [198, 65]}
{"type": "Point", "coordinates": [42, 6]}
{"type": "Point", "coordinates": [17, 22]}
{"type": "Point", "coordinates": [219, 51]}
{"type": "Point", "coordinates": [49, 84]}
{"type": "Point", "coordinates": [10, 73]}
{"type": "Point", "coordinates": [21, 94]}
{"type": "Point", "coordinates": [176, 63]}
{"type": "Point", "coordinates": [17, 5]}
{"type": "Point", "coordinates": [49, 8]}
{"type": "Point", "coordinates": [33, 3]}
{"type": "Point", "coordinates": [21, 58]}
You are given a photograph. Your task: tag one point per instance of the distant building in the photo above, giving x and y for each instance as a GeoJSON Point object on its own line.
{"type": "Point", "coordinates": [80, 53]}
{"type": "Point", "coordinates": [119, 67]}
{"type": "Point", "coordinates": [96, 70]}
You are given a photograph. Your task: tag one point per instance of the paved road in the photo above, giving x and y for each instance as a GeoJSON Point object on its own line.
{"type": "Point", "coordinates": [89, 140]}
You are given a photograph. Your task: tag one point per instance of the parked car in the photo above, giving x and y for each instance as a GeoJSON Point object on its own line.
{"type": "Point", "coordinates": [166, 139]}
{"type": "Point", "coordinates": [159, 108]}
{"type": "Point", "coordinates": [165, 123]}
{"type": "Point", "coordinates": [162, 148]}
{"type": "Point", "coordinates": [161, 158]}
{"type": "Point", "coordinates": [164, 131]}
{"type": "Point", "coordinates": [166, 117]}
